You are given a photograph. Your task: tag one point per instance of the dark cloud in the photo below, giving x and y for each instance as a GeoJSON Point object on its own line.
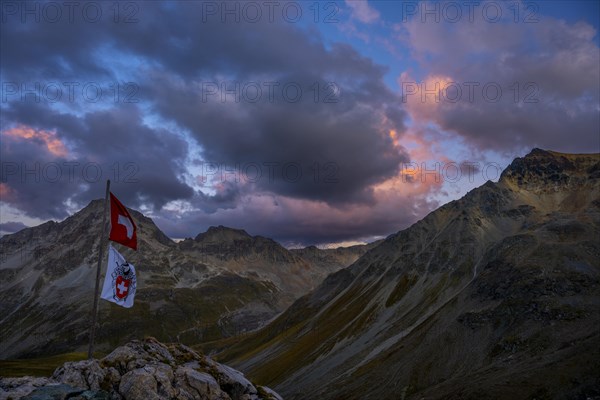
{"type": "Point", "coordinates": [228, 195]}
{"type": "Point", "coordinates": [184, 39]}
{"type": "Point", "coordinates": [180, 50]}
{"type": "Point", "coordinates": [12, 226]}
{"type": "Point", "coordinates": [547, 73]}
{"type": "Point", "coordinates": [144, 164]}
{"type": "Point", "coordinates": [300, 223]}
{"type": "Point", "coordinates": [331, 152]}
{"type": "Point", "coordinates": [348, 137]}
{"type": "Point", "coordinates": [308, 149]}
{"type": "Point", "coordinates": [305, 171]}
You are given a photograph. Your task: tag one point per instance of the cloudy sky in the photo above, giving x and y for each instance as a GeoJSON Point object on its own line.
{"type": "Point", "coordinates": [308, 122]}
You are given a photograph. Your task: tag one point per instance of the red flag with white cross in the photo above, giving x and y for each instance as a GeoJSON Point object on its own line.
{"type": "Point", "coordinates": [122, 227]}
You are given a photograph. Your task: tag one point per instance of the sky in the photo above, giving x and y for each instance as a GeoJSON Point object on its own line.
{"type": "Point", "coordinates": [312, 123]}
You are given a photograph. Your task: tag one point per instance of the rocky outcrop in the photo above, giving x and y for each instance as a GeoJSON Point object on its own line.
{"type": "Point", "coordinates": [140, 370]}
{"type": "Point", "coordinates": [16, 388]}
{"type": "Point", "coordinates": [543, 170]}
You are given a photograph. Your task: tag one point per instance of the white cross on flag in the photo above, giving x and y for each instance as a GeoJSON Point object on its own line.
{"type": "Point", "coordinates": [122, 227]}
{"type": "Point", "coordinates": [120, 281]}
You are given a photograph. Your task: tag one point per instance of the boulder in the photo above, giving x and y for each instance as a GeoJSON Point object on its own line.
{"type": "Point", "coordinates": [53, 392]}
{"type": "Point", "coordinates": [140, 370]}
{"type": "Point", "coordinates": [234, 382]}
{"type": "Point", "coordinates": [82, 374]}
{"type": "Point", "coordinates": [266, 392]}
{"type": "Point", "coordinates": [193, 384]}
{"type": "Point", "coordinates": [136, 354]}
{"type": "Point", "coordinates": [139, 384]}
{"type": "Point", "coordinates": [16, 388]}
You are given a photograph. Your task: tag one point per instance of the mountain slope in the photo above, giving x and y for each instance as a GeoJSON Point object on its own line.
{"type": "Point", "coordinates": [255, 257]}
{"type": "Point", "coordinates": [330, 259]}
{"type": "Point", "coordinates": [48, 275]}
{"type": "Point", "coordinates": [491, 296]}
{"type": "Point", "coordinates": [220, 284]}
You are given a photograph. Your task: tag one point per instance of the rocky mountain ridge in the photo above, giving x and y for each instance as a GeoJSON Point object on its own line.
{"type": "Point", "coordinates": [219, 284]}
{"type": "Point", "coordinates": [492, 296]}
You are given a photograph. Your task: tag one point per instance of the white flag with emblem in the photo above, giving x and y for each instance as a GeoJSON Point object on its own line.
{"type": "Point", "coordinates": [120, 281]}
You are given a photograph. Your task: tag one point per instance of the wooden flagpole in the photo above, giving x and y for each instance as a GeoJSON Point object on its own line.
{"type": "Point", "coordinates": [97, 289]}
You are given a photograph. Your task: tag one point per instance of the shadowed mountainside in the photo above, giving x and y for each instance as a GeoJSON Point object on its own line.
{"type": "Point", "coordinates": [493, 296]}
{"type": "Point", "coordinates": [219, 284]}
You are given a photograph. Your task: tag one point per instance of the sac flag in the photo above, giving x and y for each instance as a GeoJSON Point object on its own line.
{"type": "Point", "coordinates": [120, 281]}
{"type": "Point", "coordinates": [122, 227]}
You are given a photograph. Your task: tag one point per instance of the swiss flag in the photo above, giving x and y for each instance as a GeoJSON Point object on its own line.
{"type": "Point", "coordinates": [122, 227]}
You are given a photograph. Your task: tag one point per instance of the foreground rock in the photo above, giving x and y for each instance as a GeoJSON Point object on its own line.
{"type": "Point", "coordinates": [140, 370]}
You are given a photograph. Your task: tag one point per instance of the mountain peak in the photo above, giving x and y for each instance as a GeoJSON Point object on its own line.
{"type": "Point", "coordinates": [544, 169]}
{"type": "Point", "coordinates": [95, 203]}
{"type": "Point", "coordinates": [222, 233]}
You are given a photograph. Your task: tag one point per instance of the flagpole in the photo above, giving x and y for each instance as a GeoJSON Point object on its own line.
{"type": "Point", "coordinates": [97, 289]}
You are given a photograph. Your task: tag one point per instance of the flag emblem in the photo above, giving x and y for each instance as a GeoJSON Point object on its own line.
{"type": "Point", "coordinates": [120, 282]}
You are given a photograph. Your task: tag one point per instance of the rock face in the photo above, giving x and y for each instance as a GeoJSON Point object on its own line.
{"type": "Point", "coordinates": [140, 370]}
{"type": "Point", "coordinates": [493, 296]}
{"type": "Point", "coordinates": [331, 259]}
{"type": "Point", "coordinates": [17, 388]}
{"type": "Point", "coordinates": [255, 257]}
{"type": "Point", "coordinates": [222, 283]}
